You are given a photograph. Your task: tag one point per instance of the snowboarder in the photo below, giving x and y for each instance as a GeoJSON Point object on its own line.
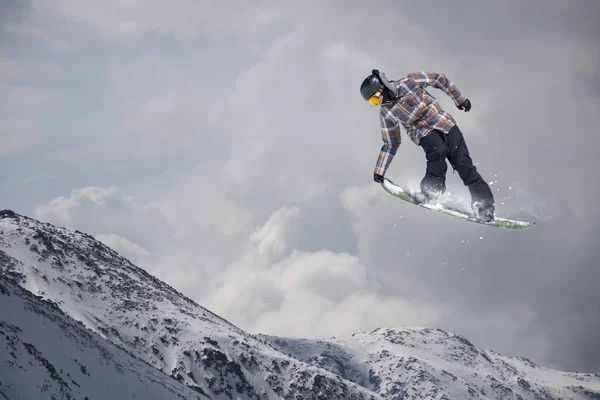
{"type": "Point", "coordinates": [405, 101]}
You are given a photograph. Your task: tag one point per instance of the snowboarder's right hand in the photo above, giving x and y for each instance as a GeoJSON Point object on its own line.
{"type": "Point", "coordinates": [378, 178]}
{"type": "Point", "coordinates": [465, 105]}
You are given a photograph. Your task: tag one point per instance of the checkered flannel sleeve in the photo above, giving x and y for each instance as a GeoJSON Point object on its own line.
{"type": "Point", "coordinates": [390, 133]}
{"type": "Point", "coordinates": [439, 81]}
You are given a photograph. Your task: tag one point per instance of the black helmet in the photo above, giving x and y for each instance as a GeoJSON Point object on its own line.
{"type": "Point", "coordinates": [370, 86]}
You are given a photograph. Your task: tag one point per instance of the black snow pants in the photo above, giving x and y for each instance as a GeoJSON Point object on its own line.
{"type": "Point", "coordinates": [438, 147]}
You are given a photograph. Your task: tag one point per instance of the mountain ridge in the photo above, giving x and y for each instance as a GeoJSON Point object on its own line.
{"type": "Point", "coordinates": [156, 324]}
{"type": "Point", "coordinates": [134, 310]}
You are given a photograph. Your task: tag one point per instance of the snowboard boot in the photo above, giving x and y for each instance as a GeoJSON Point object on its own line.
{"type": "Point", "coordinates": [426, 197]}
{"type": "Point", "coordinates": [432, 187]}
{"type": "Point", "coordinates": [484, 211]}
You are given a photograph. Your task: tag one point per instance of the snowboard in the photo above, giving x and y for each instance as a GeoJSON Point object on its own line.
{"type": "Point", "coordinates": [466, 215]}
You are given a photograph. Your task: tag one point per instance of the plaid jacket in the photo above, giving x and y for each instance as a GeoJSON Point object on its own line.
{"type": "Point", "coordinates": [417, 111]}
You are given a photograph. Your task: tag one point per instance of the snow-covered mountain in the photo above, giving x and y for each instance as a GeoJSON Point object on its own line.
{"type": "Point", "coordinates": [130, 308]}
{"type": "Point", "coordinates": [423, 363]}
{"type": "Point", "coordinates": [141, 323]}
{"type": "Point", "coordinates": [47, 355]}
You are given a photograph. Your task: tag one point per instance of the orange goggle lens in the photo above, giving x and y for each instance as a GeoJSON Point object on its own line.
{"type": "Point", "coordinates": [375, 99]}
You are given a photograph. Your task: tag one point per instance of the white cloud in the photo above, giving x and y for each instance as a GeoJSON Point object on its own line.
{"type": "Point", "coordinates": [170, 106]}
{"type": "Point", "coordinates": [270, 239]}
{"type": "Point", "coordinates": [185, 19]}
{"type": "Point", "coordinates": [333, 276]}
{"type": "Point", "coordinates": [12, 68]}
{"type": "Point", "coordinates": [306, 314]}
{"type": "Point", "coordinates": [18, 104]}
{"type": "Point", "coordinates": [279, 154]}
{"type": "Point", "coordinates": [101, 211]}
{"type": "Point", "coordinates": [199, 199]}
{"type": "Point", "coordinates": [274, 288]}
{"type": "Point", "coordinates": [132, 251]}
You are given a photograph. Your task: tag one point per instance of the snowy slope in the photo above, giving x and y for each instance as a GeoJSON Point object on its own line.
{"type": "Point", "coordinates": [47, 355]}
{"type": "Point", "coordinates": [422, 363]}
{"type": "Point", "coordinates": [150, 320]}
{"type": "Point", "coordinates": [122, 303]}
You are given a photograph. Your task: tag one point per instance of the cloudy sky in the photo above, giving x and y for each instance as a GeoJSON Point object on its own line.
{"type": "Point", "coordinates": [226, 150]}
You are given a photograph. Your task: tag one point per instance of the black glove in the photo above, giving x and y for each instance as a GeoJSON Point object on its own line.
{"type": "Point", "coordinates": [378, 178]}
{"type": "Point", "coordinates": [465, 105]}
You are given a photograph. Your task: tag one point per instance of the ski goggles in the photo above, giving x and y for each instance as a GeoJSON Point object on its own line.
{"type": "Point", "coordinates": [376, 98]}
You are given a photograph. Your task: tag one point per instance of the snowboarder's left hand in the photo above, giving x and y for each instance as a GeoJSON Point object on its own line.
{"type": "Point", "coordinates": [378, 178]}
{"type": "Point", "coordinates": [465, 106]}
